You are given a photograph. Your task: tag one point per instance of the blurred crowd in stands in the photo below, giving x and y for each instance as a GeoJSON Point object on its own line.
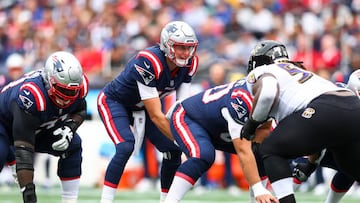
{"type": "Point", "coordinates": [103, 34]}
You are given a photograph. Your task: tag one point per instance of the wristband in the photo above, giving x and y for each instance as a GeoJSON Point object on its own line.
{"type": "Point", "coordinates": [259, 189]}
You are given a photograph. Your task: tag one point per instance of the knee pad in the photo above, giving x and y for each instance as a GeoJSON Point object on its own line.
{"type": "Point", "coordinates": [125, 148]}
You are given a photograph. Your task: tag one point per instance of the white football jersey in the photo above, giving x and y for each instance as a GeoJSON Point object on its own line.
{"type": "Point", "coordinates": [297, 87]}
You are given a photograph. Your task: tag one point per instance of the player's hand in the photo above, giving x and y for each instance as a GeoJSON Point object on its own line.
{"type": "Point", "coordinates": [266, 198]}
{"type": "Point", "coordinates": [66, 136]}
{"type": "Point", "coordinates": [302, 171]}
{"type": "Point", "coordinates": [262, 195]}
{"type": "Point", "coordinates": [249, 128]}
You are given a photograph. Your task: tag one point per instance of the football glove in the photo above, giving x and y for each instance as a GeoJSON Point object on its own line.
{"type": "Point", "coordinates": [249, 128]}
{"type": "Point", "coordinates": [66, 136]}
{"type": "Point", "coordinates": [28, 192]}
{"type": "Point", "coordinates": [302, 171]}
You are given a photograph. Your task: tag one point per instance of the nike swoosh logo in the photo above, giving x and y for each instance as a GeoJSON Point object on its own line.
{"type": "Point", "coordinates": [26, 92]}
{"type": "Point", "coordinates": [146, 65]}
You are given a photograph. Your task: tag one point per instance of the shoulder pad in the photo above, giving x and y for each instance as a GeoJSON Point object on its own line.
{"type": "Point", "coordinates": [148, 60]}
{"type": "Point", "coordinates": [240, 104]}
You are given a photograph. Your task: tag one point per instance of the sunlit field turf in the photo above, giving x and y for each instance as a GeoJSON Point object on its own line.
{"type": "Point", "coordinates": [92, 195]}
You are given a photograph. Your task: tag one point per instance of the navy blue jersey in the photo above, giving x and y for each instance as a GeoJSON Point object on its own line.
{"type": "Point", "coordinates": [205, 107]}
{"type": "Point", "coordinates": [148, 67]}
{"type": "Point", "coordinates": [30, 94]}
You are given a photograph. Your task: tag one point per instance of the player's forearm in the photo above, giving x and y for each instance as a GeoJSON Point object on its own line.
{"type": "Point", "coordinates": [163, 125]}
{"type": "Point", "coordinates": [248, 165]}
{"type": "Point", "coordinates": [247, 160]}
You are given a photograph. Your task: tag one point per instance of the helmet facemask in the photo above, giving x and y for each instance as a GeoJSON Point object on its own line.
{"type": "Point", "coordinates": [178, 37]}
{"type": "Point", "coordinates": [173, 46]}
{"type": "Point", "coordinates": [62, 95]}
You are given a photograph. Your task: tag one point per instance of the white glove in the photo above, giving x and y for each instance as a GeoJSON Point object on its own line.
{"type": "Point", "coordinates": [66, 137]}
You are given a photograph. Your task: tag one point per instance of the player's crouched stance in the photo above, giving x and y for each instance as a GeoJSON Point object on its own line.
{"type": "Point", "coordinates": [41, 112]}
{"type": "Point", "coordinates": [213, 120]}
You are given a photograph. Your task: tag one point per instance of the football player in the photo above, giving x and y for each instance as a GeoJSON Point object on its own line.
{"type": "Point", "coordinates": [312, 114]}
{"type": "Point", "coordinates": [341, 182]}
{"type": "Point", "coordinates": [40, 112]}
{"type": "Point", "coordinates": [133, 99]}
{"type": "Point", "coordinates": [213, 120]}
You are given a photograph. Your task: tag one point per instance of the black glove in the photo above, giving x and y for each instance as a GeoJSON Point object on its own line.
{"type": "Point", "coordinates": [29, 195]}
{"type": "Point", "coordinates": [249, 128]}
{"type": "Point", "coordinates": [302, 171]}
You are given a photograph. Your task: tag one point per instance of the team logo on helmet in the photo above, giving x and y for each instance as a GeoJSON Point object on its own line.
{"type": "Point", "coordinates": [57, 65]}
{"type": "Point", "coordinates": [308, 112]}
{"type": "Point", "coordinates": [171, 28]}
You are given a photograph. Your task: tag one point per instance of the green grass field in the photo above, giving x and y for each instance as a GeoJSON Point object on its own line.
{"type": "Point", "coordinates": [92, 195]}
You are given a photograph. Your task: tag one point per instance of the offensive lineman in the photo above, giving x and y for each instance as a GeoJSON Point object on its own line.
{"type": "Point", "coordinates": [40, 112]}
{"type": "Point", "coordinates": [211, 120]}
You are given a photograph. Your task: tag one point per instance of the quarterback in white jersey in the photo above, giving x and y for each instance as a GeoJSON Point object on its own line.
{"type": "Point", "coordinates": [312, 114]}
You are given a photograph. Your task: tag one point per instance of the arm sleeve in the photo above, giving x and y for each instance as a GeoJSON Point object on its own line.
{"type": "Point", "coordinates": [77, 118]}
{"type": "Point", "coordinates": [24, 124]}
{"type": "Point", "coordinates": [233, 127]}
{"type": "Point", "coordinates": [265, 98]}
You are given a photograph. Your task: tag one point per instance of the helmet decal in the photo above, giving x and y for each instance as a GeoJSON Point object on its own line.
{"type": "Point", "coordinates": [57, 65]}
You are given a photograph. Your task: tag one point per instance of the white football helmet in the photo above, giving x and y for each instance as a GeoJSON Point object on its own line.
{"type": "Point", "coordinates": [178, 33]}
{"type": "Point", "coordinates": [63, 76]}
{"type": "Point", "coordinates": [354, 82]}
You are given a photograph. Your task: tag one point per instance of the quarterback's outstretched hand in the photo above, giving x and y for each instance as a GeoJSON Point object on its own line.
{"type": "Point", "coordinates": [66, 136]}
{"type": "Point", "coordinates": [302, 171]}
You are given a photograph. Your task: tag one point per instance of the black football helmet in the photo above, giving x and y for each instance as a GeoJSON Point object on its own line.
{"type": "Point", "coordinates": [266, 52]}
